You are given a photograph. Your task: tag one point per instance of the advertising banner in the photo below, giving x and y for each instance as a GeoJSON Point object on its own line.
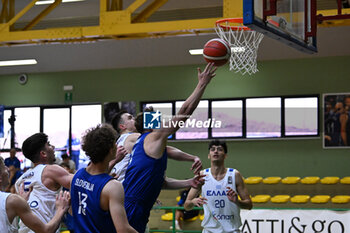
{"type": "Point", "coordinates": [295, 221]}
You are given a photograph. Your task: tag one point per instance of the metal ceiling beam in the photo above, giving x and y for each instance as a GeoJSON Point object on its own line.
{"type": "Point", "coordinates": [7, 11]}
{"type": "Point", "coordinates": [135, 5]}
{"type": "Point", "coordinates": [116, 5]}
{"type": "Point", "coordinates": [332, 18]}
{"type": "Point", "coordinates": [14, 19]}
{"type": "Point", "coordinates": [4, 11]}
{"type": "Point", "coordinates": [114, 23]}
{"type": "Point", "coordinates": [148, 11]}
{"type": "Point", "coordinates": [40, 16]}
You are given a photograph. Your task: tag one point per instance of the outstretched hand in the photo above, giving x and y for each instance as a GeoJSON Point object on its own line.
{"type": "Point", "coordinates": [63, 201]}
{"type": "Point", "coordinates": [232, 195]}
{"type": "Point", "coordinates": [207, 74]}
{"type": "Point", "coordinates": [197, 181]}
{"type": "Point", "coordinates": [196, 165]}
{"type": "Point", "coordinates": [121, 152]}
{"type": "Point", "coordinates": [23, 193]}
{"type": "Point", "coordinates": [199, 201]}
{"type": "Point", "coordinates": [114, 175]}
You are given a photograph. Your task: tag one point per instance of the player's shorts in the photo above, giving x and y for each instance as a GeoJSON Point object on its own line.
{"type": "Point", "coordinates": [190, 214]}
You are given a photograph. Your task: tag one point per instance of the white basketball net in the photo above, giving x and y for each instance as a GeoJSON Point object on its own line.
{"type": "Point", "coordinates": [244, 47]}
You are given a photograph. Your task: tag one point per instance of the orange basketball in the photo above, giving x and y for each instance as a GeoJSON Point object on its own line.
{"type": "Point", "coordinates": [217, 51]}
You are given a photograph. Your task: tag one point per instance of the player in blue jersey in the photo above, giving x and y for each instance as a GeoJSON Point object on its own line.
{"type": "Point", "coordinates": [124, 123]}
{"type": "Point", "coordinates": [145, 175]}
{"type": "Point", "coordinates": [97, 198]}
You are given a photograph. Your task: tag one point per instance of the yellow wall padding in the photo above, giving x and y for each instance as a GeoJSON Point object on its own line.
{"type": "Point", "coordinates": [341, 199]}
{"type": "Point", "coordinates": [280, 198]}
{"type": "Point", "coordinates": [261, 198]}
{"type": "Point", "coordinates": [320, 199]}
{"type": "Point", "coordinates": [345, 180]}
{"type": "Point", "coordinates": [167, 217]}
{"type": "Point", "coordinates": [300, 198]}
{"type": "Point", "coordinates": [272, 180]}
{"type": "Point", "coordinates": [253, 180]}
{"type": "Point", "coordinates": [310, 180]}
{"type": "Point", "coordinates": [291, 180]}
{"type": "Point", "coordinates": [330, 180]}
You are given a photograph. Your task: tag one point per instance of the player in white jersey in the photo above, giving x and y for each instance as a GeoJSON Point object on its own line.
{"type": "Point", "coordinates": [219, 194]}
{"type": "Point", "coordinates": [45, 179]}
{"type": "Point", "coordinates": [13, 205]}
{"type": "Point", "coordinates": [124, 123]}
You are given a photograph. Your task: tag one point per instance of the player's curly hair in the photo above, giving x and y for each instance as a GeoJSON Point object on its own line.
{"type": "Point", "coordinates": [98, 141]}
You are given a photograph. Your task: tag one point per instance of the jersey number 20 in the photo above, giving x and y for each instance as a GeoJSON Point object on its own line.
{"type": "Point", "coordinates": [219, 203]}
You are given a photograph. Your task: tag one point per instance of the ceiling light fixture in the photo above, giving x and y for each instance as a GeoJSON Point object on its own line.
{"type": "Point", "coordinates": [18, 62]}
{"type": "Point", "coordinates": [45, 2]}
{"type": "Point", "coordinates": [200, 51]}
{"type": "Point", "coordinates": [196, 51]}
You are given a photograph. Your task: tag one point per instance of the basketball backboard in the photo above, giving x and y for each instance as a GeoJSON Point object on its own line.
{"type": "Point", "coordinates": [292, 22]}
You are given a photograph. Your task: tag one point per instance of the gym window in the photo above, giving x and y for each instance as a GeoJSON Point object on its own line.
{"type": "Point", "coordinates": [59, 122]}
{"type": "Point", "coordinates": [248, 118]}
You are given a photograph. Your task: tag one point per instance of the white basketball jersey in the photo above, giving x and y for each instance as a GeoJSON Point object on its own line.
{"type": "Point", "coordinates": [5, 225]}
{"type": "Point", "coordinates": [120, 168]}
{"type": "Point", "coordinates": [42, 201]}
{"type": "Point", "coordinates": [220, 214]}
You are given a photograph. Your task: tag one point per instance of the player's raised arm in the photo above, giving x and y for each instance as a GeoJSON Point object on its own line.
{"type": "Point", "coordinates": [192, 101]}
{"type": "Point", "coordinates": [195, 182]}
{"type": "Point", "coordinates": [177, 154]}
{"type": "Point", "coordinates": [156, 141]}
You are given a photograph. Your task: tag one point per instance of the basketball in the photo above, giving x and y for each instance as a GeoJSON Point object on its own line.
{"type": "Point", "coordinates": [217, 51]}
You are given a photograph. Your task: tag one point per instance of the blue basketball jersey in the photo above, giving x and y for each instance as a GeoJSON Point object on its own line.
{"type": "Point", "coordinates": [143, 181]}
{"type": "Point", "coordinates": [85, 198]}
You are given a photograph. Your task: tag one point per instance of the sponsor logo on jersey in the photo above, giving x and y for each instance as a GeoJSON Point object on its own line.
{"type": "Point", "coordinates": [214, 215]}
{"type": "Point", "coordinates": [219, 217]}
{"type": "Point", "coordinates": [229, 180]}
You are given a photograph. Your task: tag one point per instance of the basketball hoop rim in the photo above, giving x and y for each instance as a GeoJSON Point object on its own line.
{"type": "Point", "coordinates": [219, 23]}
